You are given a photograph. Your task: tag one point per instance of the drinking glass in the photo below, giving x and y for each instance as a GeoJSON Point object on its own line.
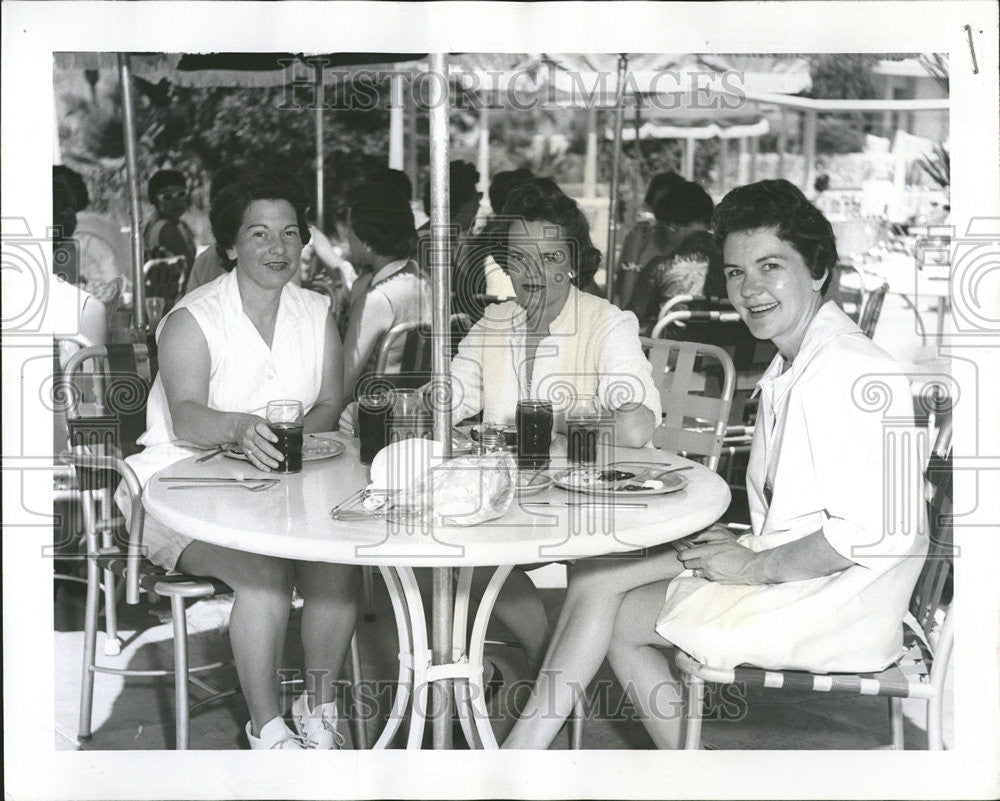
{"type": "Point", "coordinates": [534, 433]}
{"type": "Point", "coordinates": [373, 423]}
{"type": "Point", "coordinates": [408, 418]}
{"type": "Point", "coordinates": [154, 311]}
{"type": "Point", "coordinates": [284, 418]}
{"type": "Point", "coordinates": [589, 431]}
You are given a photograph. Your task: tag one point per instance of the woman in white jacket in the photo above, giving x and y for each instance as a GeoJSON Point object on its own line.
{"type": "Point", "coordinates": [818, 584]}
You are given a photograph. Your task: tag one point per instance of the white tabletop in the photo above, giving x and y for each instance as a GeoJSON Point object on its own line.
{"type": "Point", "coordinates": [292, 519]}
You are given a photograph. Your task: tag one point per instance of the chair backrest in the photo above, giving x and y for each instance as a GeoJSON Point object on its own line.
{"type": "Point", "coordinates": [416, 338]}
{"type": "Point", "coordinates": [933, 589]}
{"type": "Point", "coordinates": [872, 311]}
{"type": "Point", "coordinates": [847, 290]}
{"type": "Point", "coordinates": [724, 329]}
{"type": "Point", "coordinates": [165, 278]}
{"type": "Point", "coordinates": [125, 376]}
{"type": "Point", "coordinates": [695, 412]}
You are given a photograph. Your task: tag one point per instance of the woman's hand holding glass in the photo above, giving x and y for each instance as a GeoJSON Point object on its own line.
{"type": "Point", "coordinates": [715, 554]}
{"type": "Point", "coordinates": [255, 439]}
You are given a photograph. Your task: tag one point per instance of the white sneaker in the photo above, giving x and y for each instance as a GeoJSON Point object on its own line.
{"type": "Point", "coordinates": [275, 735]}
{"type": "Point", "coordinates": [317, 729]}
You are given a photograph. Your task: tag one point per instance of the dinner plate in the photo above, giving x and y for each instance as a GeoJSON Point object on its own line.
{"type": "Point", "coordinates": [621, 480]}
{"type": "Point", "coordinates": [315, 448]}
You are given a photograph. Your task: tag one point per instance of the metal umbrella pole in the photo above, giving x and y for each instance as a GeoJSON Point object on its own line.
{"type": "Point", "coordinates": [319, 100]}
{"type": "Point", "coordinates": [131, 165]}
{"type": "Point", "coordinates": [616, 156]}
{"type": "Point", "coordinates": [440, 261]}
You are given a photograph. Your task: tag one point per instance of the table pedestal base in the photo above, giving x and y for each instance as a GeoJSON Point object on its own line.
{"type": "Point", "coordinates": [416, 668]}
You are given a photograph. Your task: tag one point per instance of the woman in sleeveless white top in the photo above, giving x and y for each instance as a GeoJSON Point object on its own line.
{"type": "Point", "coordinates": [227, 349]}
{"type": "Point", "coordinates": [817, 585]}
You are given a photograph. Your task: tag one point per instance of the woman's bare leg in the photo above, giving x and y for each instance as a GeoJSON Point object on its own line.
{"type": "Point", "coordinates": [581, 638]}
{"type": "Point", "coordinates": [519, 607]}
{"type": "Point", "coordinates": [649, 676]}
{"type": "Point", "coordinates": [329, 614]}
{"type": "Point", "coordinates": [262, 590]}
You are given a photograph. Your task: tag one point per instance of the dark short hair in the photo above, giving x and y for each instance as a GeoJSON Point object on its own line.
{"type": "Point", "coordinates": [232, 202]}
{"type": "Point", "coordinates": [75, 182]}
{"type": "Point", "coordinates": [381, 217]}
{"type": "Point", "coordinates": [221, 178]}
{"type": "Point", "coordinates": [503, 183]}
{"type": "Point", "coordinates": [683, 204]}
{"type": "Point", "coordinates": [659, 184]}
{"type": "Point", "coordinates": [780, 205]}
{"type": "Point", "coordinates": [162, 179]}
{"type": "Point", "coordinates": [463, 178]}
{"type": "Point", "coordinates": [396, 178]}
{"type": "Point", "coordinates": [542, 199]}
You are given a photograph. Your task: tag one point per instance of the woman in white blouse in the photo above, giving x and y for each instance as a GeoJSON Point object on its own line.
{"type": "Point", "coordinates": [551, 342]}
{"type": "Point", "coordinates": [225, 350]}
{"type": "Point", "coordinates": [818, 584]}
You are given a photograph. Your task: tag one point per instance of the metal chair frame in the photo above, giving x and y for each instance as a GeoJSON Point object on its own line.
{"type": "Point", "coordinates": [872, 310]}
{"type": "Point", "coordinates": [674, 365]}
{"type": "Point", "coordinates": [165, 288]}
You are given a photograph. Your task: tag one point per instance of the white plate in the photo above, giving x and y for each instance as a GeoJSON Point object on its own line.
{"type": "Point", "coordinates": [315, 448]}
{"type": "Point", "coordinates": [592, 481]}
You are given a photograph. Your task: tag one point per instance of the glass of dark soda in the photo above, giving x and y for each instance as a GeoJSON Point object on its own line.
{"type": "Point", "coordinates": [284, 418]}
{"type": "Point", "coordinates": [373, 412]}
{"type": "Point", "coordinates": [534, 433]}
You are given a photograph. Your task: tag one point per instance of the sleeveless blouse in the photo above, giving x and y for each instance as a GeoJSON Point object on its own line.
{"type": "Point", "coordinates": [245, 374]}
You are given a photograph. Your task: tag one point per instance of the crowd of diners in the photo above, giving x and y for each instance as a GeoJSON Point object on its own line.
{"type": "Point", "coordinates": [798, 590]}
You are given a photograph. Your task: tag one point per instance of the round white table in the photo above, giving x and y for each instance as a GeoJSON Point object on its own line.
{"type": "Point", "coordinates": [292, 520]}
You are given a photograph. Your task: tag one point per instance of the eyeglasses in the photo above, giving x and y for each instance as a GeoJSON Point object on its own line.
{"type": "Point", "coordinates": [551, 260]}
{"type": "Point", "coordinates": [179, 194]}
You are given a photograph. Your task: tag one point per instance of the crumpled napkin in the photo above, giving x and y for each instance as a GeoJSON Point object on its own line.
{"type": "Point", "coordinates": [413, 477]}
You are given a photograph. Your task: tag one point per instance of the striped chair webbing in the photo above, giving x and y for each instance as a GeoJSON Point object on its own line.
{"type": "Point", "coordinates": [891, 682]}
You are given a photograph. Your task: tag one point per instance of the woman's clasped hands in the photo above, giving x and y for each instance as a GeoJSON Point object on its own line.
{"type": "Point", "coordinates": [254, 438]}
{"type": "Point", "coordinates": [716, 554]}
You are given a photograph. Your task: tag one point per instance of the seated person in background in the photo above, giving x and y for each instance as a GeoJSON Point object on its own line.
{"type": "Point", "coordinates": [70, 312]}
{"type": "Point", "coordinates": [476, 270]}
{"type": "Point", "coordinates": [646, 242]}
{"type": "Point", "coordinates": [695, 266]}
{"type": "Point", "coordinates": [390, 289]}
{"type": "Point", "coordinates": [464, 204]}
{"type": "Point", "coordinates": [210, 264]}
{"type": "Point", "coordinates": [817, 584]}
{"type": "Point", "coordinates": [166, 234]}
{"type": "Point", "coordinates": [402, 182]}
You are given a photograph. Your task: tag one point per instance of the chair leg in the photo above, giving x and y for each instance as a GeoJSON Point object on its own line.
{"type": "Point", "coordinates": [695, 700]}
{"type": "Point", "coordinates": [576, 724]}
{"type": "Point", "coordinates": [935, 738]}
{"type": "Point", "coordinates": [368, 592]}
{"type": "Point", "coordinates": [181, 701]}
{"type": "Point", "coordinates": [89, 648]}
{"type": "Point", "coordinates": [112, 644]}
{"type": "Point", "coordinates": [91, 615]}
{"type": "Point", "coordinates": [359, 729]}
{"type": "Point", "coordinates": [896, 722]}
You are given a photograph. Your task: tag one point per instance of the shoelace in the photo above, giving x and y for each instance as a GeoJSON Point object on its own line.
{"type": "Point", "coordinates": [291, 737]}
{"type": "Point", "coordinates": [300, 724]}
